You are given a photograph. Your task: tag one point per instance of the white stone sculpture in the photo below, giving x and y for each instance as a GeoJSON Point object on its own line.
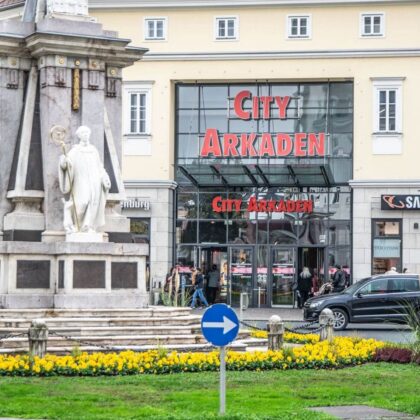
{"type": "Point", "coordinates": [68, 7]}
{"type": "Point", "coordinates": [83, 176]}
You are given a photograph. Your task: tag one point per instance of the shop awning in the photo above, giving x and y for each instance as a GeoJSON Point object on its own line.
{"type": "Point", "coordinates": [259, 174]}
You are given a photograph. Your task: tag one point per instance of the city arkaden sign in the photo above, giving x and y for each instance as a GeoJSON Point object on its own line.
{"type": "Point", "coordinates": [248, 107]}
{"type": "Point", "coordinates": [221, 205]}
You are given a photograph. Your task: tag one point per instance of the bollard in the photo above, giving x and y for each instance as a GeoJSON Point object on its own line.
{"type": "Point", "coordinates": [326, 322]}
{"type": "Point", "coordinates": [38, 338]}
{"type": "Point", "coordinates": [275, 328]}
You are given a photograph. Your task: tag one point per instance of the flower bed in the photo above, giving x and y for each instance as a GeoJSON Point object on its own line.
{"type": "Point", "coordinates": [396, 355]}
{"type": "Point", "coordinates": [290, 337]}
{"type": "Point", "coordinates": [343, 351]}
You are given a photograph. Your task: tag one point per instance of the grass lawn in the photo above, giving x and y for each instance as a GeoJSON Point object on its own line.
{"type": "Point", "coordinates": [251, 395]}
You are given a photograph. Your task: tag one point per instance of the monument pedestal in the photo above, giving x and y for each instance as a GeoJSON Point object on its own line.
{"type": "Point", "coordinates": [72, 275]}
{"type": "Point", "coordinates": [86, 237]}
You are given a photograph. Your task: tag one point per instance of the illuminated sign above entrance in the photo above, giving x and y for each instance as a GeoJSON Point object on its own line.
{"type": "Point", "coordinates": [221, 205]}
{"type": "Point", "coordinates": [247, 107]}
{"type": "Point", "coordinates": [400, 202]}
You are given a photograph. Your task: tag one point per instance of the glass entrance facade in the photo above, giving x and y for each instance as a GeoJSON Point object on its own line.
{"type": "Point", "coordinates": [253, 206]}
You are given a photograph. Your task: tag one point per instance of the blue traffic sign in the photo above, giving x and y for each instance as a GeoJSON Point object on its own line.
{"type": "Point", "coordinates": [220, 325]}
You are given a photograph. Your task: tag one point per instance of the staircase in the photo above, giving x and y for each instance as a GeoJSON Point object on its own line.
{"type": "Point", "coordinates": [106, 329]}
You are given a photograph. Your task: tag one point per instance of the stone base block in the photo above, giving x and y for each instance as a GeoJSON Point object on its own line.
{"type": "Point", "coordinates": [104, 300]}
{"type": "Point", "coordinates": [26, 301]}
{"type": "Point", "coordinates": [86, 237]}
{"type": "Point", "coordinates": [72, 275]}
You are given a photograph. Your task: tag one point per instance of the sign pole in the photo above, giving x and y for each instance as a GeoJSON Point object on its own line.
{"type": "Point", "coordinates": [222, 380]}
{"type": "Point", "coordinates": [220, 326]}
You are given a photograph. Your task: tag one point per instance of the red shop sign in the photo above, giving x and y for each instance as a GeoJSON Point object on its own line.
{"type": "Point", "coordinates": [247, 107]}
{"type": "Point", "coordinates": [221, 205]}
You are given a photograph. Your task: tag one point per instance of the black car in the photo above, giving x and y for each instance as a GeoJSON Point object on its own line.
{"type": "Point", "coordinates": [382, 298]}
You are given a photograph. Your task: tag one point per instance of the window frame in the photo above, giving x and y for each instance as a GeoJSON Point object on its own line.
{"type": "Point", "coordinates": [146, 36]}
{"type": "Point", "coordinates": [289, 34]}
{"type": "Point", "coordinates": [129, 90]}
{"type": "Point", "coordinates": [391, 237]}
{"type": "Point", "coordinates": [388, 85]}
{"type": "Point", "coordinates": [235, 19]}
{"type": "Point", "coordinates": [364, 15]}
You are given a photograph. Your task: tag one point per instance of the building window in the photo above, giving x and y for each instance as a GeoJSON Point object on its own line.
{"type": "Point", "coordinates": [137, 101]}
{"type": "Point", "coordinates": [226, 28]}
{"type": "Point", "coordinates": [137, 110]}
{"type": "Point", "coordinates": [386, 245]}
{"type": "Point", "coordinates": [372, 24]}
{"type": "Point", "coordinates": [155, 29]}
{"type": "Point", "coordinates": [388, 106]}
{"type": "Point", "coordinates": [299, 26]}
{"type": "Point", "coordinates": [140, 230]}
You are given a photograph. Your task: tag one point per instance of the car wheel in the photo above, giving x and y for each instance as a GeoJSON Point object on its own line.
{"type": "Point", "coordinates": [341, 319]}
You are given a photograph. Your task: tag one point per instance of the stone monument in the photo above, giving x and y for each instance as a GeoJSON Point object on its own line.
{"type": "Point", "coordinates": [63, 240]}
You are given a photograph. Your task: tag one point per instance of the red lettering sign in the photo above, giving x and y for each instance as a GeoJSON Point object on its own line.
{"type": "Point", "coordinates": [221, 205]}
{"type": "Point", "coordinates": [232, 145]}
{"type": "Point", "coordinates": [247, 106]}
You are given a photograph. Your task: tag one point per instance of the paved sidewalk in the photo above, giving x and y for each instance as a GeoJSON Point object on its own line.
{"type": "Point", "coordinates": [363, 412]}
{"type": "Point", "coordinates": [264, 314]}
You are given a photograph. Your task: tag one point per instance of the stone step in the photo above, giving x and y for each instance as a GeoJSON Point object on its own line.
{"type": "Point", "coordinates": [108, 341]}
{"type": "Point", "coordinates": [18, 322]}
{"type": "Point", "coordinates": [153, 311]}
{"type": "Point", "coordinates": [63, 350]}
{"type": "Point", "coordinates": [113, 331]}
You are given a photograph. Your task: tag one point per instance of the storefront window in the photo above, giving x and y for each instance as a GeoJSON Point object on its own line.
{"type": "Point", "coordinates": [186, 232]}
{"type": "Point", "coordinates": [212, 232]}
{"type": "Point", "coordinates": [140, 230]}
{"type": "Point", "coordinates": [187, 205]}
{"type": "Point", "coordinates": [242, 232]}
{"type": "Point", "coordinates": [339, 233]}
{"type": "Point", "coordinates": [386, 245]}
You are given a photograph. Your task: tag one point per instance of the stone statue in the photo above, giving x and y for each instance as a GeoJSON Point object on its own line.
{"type": "Point", "coordinates": [83, 176]}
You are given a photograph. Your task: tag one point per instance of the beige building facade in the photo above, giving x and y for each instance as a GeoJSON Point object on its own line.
{"type": "Point", "coordinates": [350, 71]}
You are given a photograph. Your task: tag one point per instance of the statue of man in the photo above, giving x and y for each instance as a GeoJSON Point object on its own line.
{"type": "Point", "coordinates": [83, 176]}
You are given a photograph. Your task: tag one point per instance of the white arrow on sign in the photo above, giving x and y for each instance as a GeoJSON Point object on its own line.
{"type": "Point", "coordinates": [227, 325]}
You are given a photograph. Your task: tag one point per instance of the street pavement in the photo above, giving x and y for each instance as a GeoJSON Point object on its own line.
{"type": "Point", "coordinates": [294, 317]}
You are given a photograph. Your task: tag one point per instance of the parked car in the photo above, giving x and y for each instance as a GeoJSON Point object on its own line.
{"type": "Point", "coordinates": [382, 298]}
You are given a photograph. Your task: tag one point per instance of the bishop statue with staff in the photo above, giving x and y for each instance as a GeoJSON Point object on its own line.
{"type": "Point", "coordinates": [83, 176]}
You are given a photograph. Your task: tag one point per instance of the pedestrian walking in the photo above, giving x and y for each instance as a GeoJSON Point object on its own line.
{"type": "Point", "coordinates": [213, 284]}
{"type": "Point", "coordinates": [304, 286]}
{"type": "Point", "coordinates": [339, 280]}
{"type": "Point", "coordinates": [198, 292]}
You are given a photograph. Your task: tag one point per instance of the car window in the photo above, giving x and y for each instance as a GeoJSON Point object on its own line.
{"type": "Point", "coordinates": [403, 285]}
{"type": "Point", "coordinates": [375, 287]}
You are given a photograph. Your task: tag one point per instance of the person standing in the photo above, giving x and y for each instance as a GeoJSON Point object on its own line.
{"type": "Point", "coordinates": [213, 284]}
{"type": "Point", "coordinates": [198, 292]}
{"type": "Point", "coordinates": [304, 286]}
{"type": "Point", "coordinates": [339, 280]}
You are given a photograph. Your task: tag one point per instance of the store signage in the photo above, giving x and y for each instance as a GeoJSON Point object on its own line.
{"type": "Point", "coordinates": [221, 205]}
{"type": "Point", "coordinates": [400, 202]}
{"type": "Point", "coordinates": [387, 248]}
{"type": "Point", "coordinates": [247, 107]}
{"type": "Point", "coordinates": [134, 203]}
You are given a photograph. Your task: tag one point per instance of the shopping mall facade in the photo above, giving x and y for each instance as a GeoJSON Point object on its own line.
{"type": "Point", "coordinates": [263, 137]}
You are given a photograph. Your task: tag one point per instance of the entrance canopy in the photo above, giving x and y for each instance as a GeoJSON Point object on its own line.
{"type": "Point", "coordinates": [264, 173]}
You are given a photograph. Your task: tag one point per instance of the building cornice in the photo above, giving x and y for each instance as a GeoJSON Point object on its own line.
{"type": "Point", "coordinates": [268, 55]}
{"type": "Point", "coordinates": [159, 184]}
{"type": "Point", "coordinates": [148, 4]}
{"type": "Point", "coordinates": [384, 183]}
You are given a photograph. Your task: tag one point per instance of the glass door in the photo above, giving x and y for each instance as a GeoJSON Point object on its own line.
{"type": "Point", "coordinates": [283, 276]}
{"type": "Point", "coordinates": [240, 269]}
